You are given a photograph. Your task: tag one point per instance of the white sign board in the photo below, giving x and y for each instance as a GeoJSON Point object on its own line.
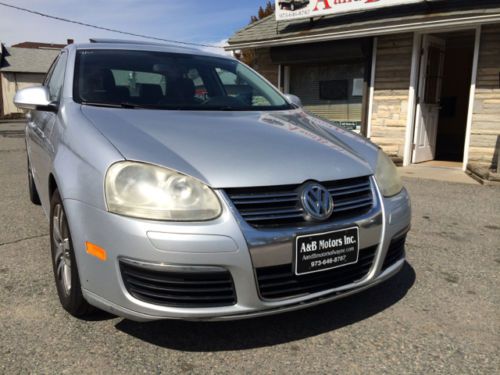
{"type": "Point", "coordinates": [292, 9]}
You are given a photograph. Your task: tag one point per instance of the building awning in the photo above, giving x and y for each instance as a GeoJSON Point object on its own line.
{"type": "Point", "coordinates": [431, 15]}
{"type": "Point", "coordinates": [341, 51]}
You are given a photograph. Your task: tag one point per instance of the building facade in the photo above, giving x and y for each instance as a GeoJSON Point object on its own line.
{"type": "Point", "coordinates": [22, 67]}
{"type": "Point", "coordinates": [421, 79]}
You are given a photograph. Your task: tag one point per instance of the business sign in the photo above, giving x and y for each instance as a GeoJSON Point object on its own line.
{"type": "Point", "coordinates": [293, 9]}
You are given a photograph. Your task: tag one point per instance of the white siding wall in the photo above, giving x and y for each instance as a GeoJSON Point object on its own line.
{"type": "Point", "coordinates": [11, 82]}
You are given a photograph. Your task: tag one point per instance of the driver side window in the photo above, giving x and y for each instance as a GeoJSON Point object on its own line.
{"type": "Point", "coordinates": [56, 79]}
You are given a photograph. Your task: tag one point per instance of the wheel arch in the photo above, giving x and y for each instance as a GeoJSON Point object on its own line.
{"type": "Point", "coordinates": [52, 185]}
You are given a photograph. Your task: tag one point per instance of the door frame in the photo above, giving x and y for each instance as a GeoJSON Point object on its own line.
{"type": "Point", "coordinates": [420, 117]}
{"type": "Point", "coordinates": [415, 77]}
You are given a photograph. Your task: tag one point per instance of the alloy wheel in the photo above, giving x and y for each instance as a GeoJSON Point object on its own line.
{"type": "Point", "coordinates": [62, 253]}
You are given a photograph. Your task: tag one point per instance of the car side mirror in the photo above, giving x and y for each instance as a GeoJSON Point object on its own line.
{"type": "Point", "coordinates": [295, 100]}
{"type": "Point", "coordinates": [35, 98]}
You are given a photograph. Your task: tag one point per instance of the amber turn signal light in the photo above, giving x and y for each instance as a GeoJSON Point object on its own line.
{"type": "Point", "coordinates": [96, 251]}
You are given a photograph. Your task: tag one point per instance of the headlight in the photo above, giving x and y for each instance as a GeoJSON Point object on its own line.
{"type": "Point", "coordinates": [387, 176]}
{"type": "Point", "coordinates": [151, 192]}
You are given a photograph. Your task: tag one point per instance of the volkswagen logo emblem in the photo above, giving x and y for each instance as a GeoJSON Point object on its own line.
{"type": "Point", "coordinates": [316, 201]}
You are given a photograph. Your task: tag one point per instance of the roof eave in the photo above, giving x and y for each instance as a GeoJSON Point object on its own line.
{"type": "Point", "coordinates": [20, 71]}
{"type": "Point", "coordinates": [415, 26]}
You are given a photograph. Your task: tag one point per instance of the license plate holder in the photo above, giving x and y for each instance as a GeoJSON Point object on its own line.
{"type": "Point", "coordinates": [325, 251]}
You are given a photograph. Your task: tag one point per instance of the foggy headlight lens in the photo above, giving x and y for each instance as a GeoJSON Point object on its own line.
{"type": "Point", "coordinates": [151, 192]}
{"type": "Point", "coordinates": [387, 176]}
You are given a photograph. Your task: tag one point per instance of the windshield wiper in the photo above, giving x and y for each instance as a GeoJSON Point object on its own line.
{"type": "Point", "coordinates": [99, 104]}
{"type": "Point", "coordinates": [172, 107]}
{"type": "Point", "coordinates": [144, 106]}
{"type": "Point", "coordinates": [120, 105]}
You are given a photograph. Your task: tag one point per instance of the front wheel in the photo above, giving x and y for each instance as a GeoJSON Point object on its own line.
{"type": "Point", "coordinates": [64, 262]}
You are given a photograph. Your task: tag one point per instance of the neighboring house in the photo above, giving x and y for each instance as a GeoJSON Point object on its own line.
{"type": "Point", "coordinates": [420, 78]}
{"type": "Point", "coordinates": [42, 45]}
{"type": "Point", "coordinates": [20, 68]}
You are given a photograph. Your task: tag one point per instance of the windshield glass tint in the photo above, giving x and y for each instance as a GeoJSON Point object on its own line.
{"type": "Point", "coordinates": [170, 81]}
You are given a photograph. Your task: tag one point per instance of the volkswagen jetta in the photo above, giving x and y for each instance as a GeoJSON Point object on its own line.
{"type": "Point", "coordinates": [181, 184]}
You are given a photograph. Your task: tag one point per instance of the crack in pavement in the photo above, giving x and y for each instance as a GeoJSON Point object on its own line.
{"type": "Point", "coordinates": [23, 239]}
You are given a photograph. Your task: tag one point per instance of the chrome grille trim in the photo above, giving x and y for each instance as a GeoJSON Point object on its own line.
{"type": "Point", "coordinates": [280, 205]}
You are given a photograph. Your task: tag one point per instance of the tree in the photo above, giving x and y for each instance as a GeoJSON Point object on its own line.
{"type": "Point", "coordinates": [263, 12]}
{"type": "Point", "coordinates": [248, 55]}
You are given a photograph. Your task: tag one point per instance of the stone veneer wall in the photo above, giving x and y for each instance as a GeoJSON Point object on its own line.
{"type": "Point", "coordinates": [390, 99]}
{"type": "Point", "coordinates": [265, 66]}
{"type": "Point", "coordinates": [485, 130]}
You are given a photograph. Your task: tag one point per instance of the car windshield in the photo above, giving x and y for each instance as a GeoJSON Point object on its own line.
{"type": "Point", "coordinates": [159, 80]}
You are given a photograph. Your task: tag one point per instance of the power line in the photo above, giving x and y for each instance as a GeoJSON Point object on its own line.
{"type": "Point", "coordinates": [106, 28]}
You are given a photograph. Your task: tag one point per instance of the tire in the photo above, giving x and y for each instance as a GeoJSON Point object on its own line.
{"type": "Point", "coordinates": [33, 193]}
{"type": "Point", "coordinates": [64, 265]}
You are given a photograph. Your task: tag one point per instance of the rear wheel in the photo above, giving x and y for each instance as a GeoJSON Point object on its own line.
{"type": "Point", "coordinates": [64, 262]}
{"type": "Point", "coordinates": [33, 193]}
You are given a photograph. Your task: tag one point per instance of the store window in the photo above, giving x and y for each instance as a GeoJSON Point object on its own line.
{"type": "Point", "coordinates": [333, 91]}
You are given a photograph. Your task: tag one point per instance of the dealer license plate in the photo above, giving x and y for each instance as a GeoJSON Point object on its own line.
{"type": "Point", "coordinates": [325, 251]}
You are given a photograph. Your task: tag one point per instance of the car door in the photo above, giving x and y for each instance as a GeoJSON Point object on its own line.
{"type": "Point", "coordinates": [33, 132]}
{"type": "Point", "coordinates": [40, 126]}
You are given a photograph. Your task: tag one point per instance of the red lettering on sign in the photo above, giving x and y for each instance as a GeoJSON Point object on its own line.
{"type": "Point", "coordinates": [325, 5]}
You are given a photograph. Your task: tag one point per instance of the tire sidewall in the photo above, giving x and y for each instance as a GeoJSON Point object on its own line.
{"type": "Point", "coordinates": [74, 298]}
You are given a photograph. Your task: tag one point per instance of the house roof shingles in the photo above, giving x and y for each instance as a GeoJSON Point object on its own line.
{"type": "Point", "coordinates": [28, 60]}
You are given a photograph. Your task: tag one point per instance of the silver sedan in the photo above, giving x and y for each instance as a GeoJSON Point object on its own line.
{"type": "Point", "coordinates": [181, 184]}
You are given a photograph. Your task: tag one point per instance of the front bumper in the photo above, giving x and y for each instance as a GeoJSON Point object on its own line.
{"type": "Point", "coordinates": [226, 242]}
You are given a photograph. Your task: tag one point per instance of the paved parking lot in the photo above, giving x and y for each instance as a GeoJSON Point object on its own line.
{"type": "Point", "coordinates": [441, 314]}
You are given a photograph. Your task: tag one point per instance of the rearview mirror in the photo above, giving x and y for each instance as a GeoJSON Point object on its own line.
{"type": "Point", "coordinates": [295, 100]}
{"type": "Point", "coordinates": [35, 98]}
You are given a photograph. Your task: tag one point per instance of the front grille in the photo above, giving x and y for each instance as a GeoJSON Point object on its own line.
{"type": "Point", "coordinates": [179, 289]}
{"type": "Point", "coordinates": [280, 205]}
{"type": "Point", "coordinates": [279, 282]}
{"type": "Point", "coordinates": [395, 252]}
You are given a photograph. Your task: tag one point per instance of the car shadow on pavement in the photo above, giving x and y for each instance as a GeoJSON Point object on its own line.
{"type": "Point", "coordinates": [275, 329]}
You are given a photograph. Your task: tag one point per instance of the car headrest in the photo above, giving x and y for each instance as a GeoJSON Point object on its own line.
{"type": "Point", "coordinates": [151, 93]}
{"type": "Point", "coordinates": [98, 85]}
{"type": "Point", "coordinates": [186, 88]}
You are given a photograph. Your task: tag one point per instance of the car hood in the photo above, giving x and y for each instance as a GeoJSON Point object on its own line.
{"type": "Point", "coordinates": [237, 149]}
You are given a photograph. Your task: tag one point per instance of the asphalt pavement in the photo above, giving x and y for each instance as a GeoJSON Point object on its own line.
{"type": "Point", "coordinates": [440, 315]}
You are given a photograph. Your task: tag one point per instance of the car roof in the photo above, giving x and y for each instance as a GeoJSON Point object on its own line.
{"type": "Point", "coordinates": [136, 45]}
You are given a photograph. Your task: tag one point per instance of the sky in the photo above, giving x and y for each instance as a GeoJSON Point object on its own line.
{"type": "Point", "coordinates": [197, 21]}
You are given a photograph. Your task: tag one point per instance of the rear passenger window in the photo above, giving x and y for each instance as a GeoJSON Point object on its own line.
{"type": "Point", "coordinates": [135, 82]}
